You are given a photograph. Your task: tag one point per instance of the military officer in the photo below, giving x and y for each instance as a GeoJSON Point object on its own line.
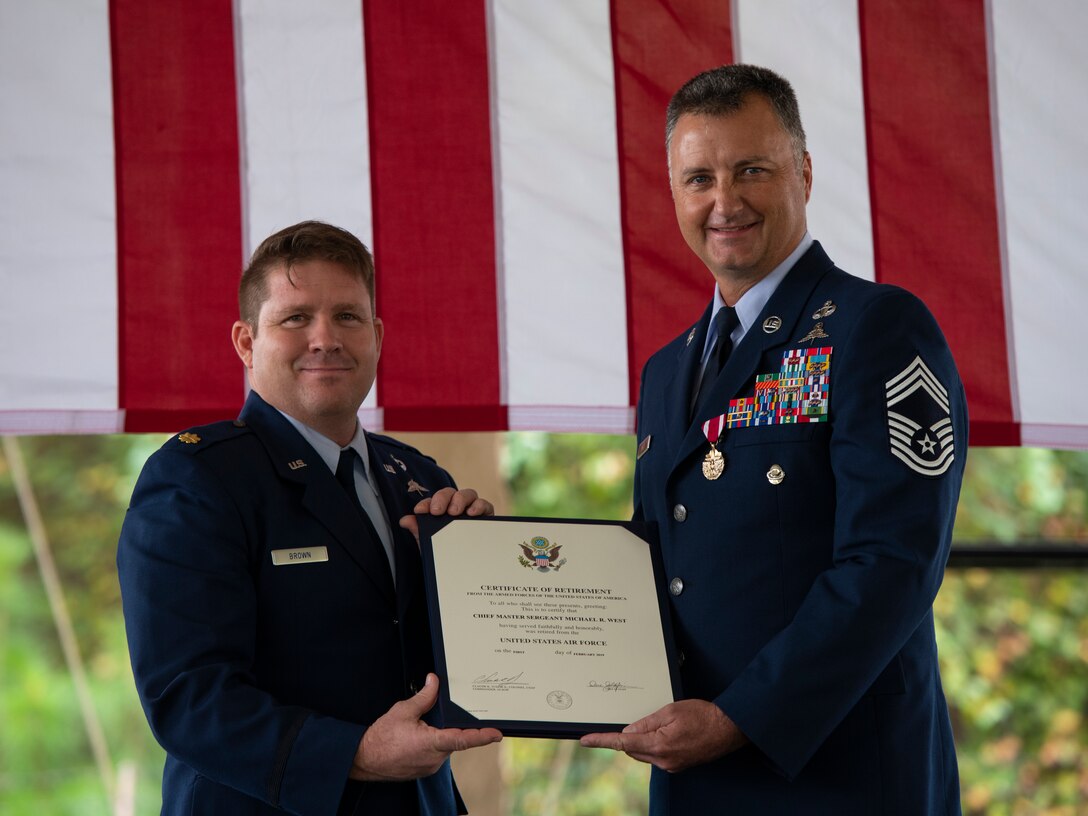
{"type": "Point", "coordinates": [801, 448]}
{"type": "Point", "coordinates": [272, 588]}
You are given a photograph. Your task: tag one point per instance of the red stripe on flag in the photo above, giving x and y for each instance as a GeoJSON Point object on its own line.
{"type": "Point", "coordinates": [657, 47]}
{"type": "Point", "coordinates": [434, 216]}
{"type": "Point", "coordinates": [936, 228]}
{"type": "Point", "coordinates": [178, 210]}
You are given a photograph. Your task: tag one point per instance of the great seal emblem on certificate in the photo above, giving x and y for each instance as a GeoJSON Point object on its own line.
{"type": "Point", "coordinates": [547, 627]}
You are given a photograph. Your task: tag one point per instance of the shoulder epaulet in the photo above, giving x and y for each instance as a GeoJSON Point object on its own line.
{"type": "Point", "coordinates": [203, 437]}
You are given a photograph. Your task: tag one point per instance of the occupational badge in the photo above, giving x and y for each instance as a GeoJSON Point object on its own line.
{"type": "Point", "coordinates": [817, 333]}
{"type": "Point", "coordinates": [714, 461]}
{"type": "Point", "coordinates": [920, 420]}
{"type": "Point", "coordinates": [824, 311]}
{"type": "Point", "coordinates": [541, 555]}
{"type": "Point", "coordinates": [416, 487]}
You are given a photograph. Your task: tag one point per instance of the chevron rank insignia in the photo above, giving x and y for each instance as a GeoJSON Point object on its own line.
{"type": "Point", "coordinates": [920, 420]}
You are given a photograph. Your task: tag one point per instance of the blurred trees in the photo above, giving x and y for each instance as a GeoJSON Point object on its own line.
{"type": "Point", "coordinates": [1014, 645]}
{"type": "Point", "coordinates": [82, 485]}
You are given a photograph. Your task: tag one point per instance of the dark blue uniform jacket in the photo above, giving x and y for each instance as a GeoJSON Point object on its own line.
{"type": "Point", "coordinates": [259, 680]}
{"type": "Point", "coordinates": [807, 571]}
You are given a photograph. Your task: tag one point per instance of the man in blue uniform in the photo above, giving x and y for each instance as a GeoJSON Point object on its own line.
{"type": "Point", "coordinates": [801, 448]}
{"type": "Point", "coordinates": [272, 587]}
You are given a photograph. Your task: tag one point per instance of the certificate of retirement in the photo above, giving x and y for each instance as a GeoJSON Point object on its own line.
{"type": "Point", "coordinates": [547, 627]}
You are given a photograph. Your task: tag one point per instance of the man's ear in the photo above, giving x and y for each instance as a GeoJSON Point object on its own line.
{"type": "Point", "coordinates": [379, 335]}
{"type": "Point", "coordinates": [241, 334]}
{"type": "Point", "coordinates": [806, 174]}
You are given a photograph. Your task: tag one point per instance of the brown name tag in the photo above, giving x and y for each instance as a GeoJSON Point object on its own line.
{"type": "Point", "coordinates": [303, 555]}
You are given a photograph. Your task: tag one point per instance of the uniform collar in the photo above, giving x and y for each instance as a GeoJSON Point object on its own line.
{"type": "Point", "coordinates": [327, 449]}
{"type": "Point", "coordinates": [751, 303]}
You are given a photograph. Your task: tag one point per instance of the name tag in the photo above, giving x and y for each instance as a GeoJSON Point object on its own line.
{"type": "Point", "coordinates": [303, 555]}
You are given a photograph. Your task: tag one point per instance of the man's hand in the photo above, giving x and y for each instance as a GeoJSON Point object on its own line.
{"type": "Point", "coordinates": [676, 737]}
{"type": "Point", "coordinates": [447, 501]}
{"type": "Point", "coordinates": [400, 746]}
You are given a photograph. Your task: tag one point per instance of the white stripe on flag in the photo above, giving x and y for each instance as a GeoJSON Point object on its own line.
{"type": "Point", "coordinates": [816, 46]}
{"type": "Point", "coordinates": [1043, 116]}
{"type": "Point", "coordinates": [58, 230]}
{"type": "Point", "coordinates": [304, 118]}
{"type": "Point", "coordinates": [561, 259]}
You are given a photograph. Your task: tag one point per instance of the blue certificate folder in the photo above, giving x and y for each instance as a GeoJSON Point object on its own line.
{"type": "Point", "coordinates": [547, 627]}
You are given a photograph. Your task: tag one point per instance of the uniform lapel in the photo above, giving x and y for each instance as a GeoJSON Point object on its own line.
{"type": "Point", "coordinates": [323, 497]}
{"type": "Point", "coordinates": [398, 501]}
{"type": "Point", "coordinates": [678, 389]}
{"type": "Point", "coordinates": [787, 304]}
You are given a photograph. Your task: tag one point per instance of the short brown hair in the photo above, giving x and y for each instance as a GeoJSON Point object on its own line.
{"type": "Point", "coordinates": [306, 241]}
{"type": "Point", "coordinates": [722, 91]}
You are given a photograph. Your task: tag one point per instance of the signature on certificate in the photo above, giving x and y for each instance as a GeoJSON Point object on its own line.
{"type": "Point", "coordinates": [611, 685]}
{"type": "Point", "coordinates": [496, 680]}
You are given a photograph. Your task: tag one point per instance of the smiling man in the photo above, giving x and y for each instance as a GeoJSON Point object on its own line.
{"type": "Point", "coordinates": [800, 448]}
{"type": "Point", "coordinates": [272, 588]}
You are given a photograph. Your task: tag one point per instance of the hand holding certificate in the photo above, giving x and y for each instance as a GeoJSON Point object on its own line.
{"type": "Point", "coordinates": [546, 627]}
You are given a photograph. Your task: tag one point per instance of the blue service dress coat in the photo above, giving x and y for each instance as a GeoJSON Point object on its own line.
{"type": "Point", "coordinates": [260, 678]}
{"type": "Point", "coordinates": [802, 579]}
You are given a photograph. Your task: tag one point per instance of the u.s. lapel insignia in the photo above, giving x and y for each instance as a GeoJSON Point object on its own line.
{"type": "Point", "coordinates": [920, 426]}
{"type": "Point", "coordinates": [416, 487]}
{"type": "Point", "coordinates": [772, 324]}
{"type": "Point", "coordinates": [400, 464]}
{"type": "Point", "coordinates": [644, 446]}
{"type": "Point", "coordinates": [188, 438]}
{"type": "Point", "coordinates": [691, 336]}
{"type": "Point", "coordinates": [824, 311]}
{"type": "Point", "coordinates": [817, 333]}
{"type": "Point", "coordinates": [295, 465]}
{"type": "Point", "coordinates": [389, 469]}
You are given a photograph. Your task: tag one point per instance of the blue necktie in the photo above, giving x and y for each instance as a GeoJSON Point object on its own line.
{"type": "Point", "coordinates": [724, 322]}
{"type": "Point", "coordinates": [345, 474]}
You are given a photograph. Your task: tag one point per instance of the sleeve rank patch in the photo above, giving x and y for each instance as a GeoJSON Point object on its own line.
{"type": "Point", "coordinates": [920, 420]}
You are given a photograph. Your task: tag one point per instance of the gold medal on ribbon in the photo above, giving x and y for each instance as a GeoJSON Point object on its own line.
{"type": "Point", "coordinates": [714, 461]}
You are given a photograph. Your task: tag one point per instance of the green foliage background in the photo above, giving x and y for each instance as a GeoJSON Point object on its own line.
{"type": "Point", "coordinates": [1014, 644]}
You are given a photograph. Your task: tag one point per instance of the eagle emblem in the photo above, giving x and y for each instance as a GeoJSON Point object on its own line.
{"type": "Point", "coordinates": [541, 555]}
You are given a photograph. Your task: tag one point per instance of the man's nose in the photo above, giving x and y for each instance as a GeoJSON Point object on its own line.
{"type": "Point", "coordinates": [325, 335]}
{"type": "Point", "coordinates": [727, 199]}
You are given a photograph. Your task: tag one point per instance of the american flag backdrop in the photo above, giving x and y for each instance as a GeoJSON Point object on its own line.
{"type": "Point", "coordinates": [505, 161]}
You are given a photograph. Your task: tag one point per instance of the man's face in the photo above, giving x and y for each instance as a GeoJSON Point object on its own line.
{"type": "Point", "coordinates": [314, 352]}
{"type": "Point", "coordinates": [739, 195]}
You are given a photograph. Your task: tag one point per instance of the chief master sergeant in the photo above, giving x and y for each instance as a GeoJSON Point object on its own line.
{"type": "Point", "coordinates": [274, 610]}
{"type": "Point", "coordinates": [801, 448]}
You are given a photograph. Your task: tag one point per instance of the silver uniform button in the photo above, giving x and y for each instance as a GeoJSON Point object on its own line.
{"type": "Point", "coordinates": [775, 475]}
{"type": "Point", "coordinates": [676, 585]}
{"type": "Point", "coordinates": [679, 512]}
